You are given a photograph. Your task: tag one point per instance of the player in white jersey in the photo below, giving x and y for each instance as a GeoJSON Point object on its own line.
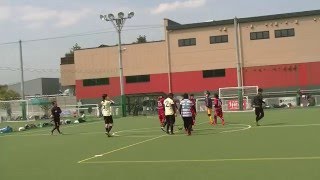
{"type": "Point", "coordinates": [185, 110]}
{"type": "Point", "coordinates": [170, 112]}
{"type": "Point", "coordinates": [106, 112]}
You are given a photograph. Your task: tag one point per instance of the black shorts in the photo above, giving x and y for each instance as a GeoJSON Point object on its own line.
{"type": "Point", "coordinates": [56, 122]}
{"type": "Point", "coordinates": [187, 119]}
{"type": "Point", "coordinates": [170, 119]}
{"type": "Point", "coordinates": [258, 111]}
{"type": "Point", "coordinates": [108, 119]}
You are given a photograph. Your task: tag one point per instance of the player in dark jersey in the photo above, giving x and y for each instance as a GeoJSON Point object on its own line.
{"type": "Point", "coordinates": [257, 104]}
{"type": "Point", "coordinates": [217, 103]}
{"type": "Point", "coordinates": [55, 112]}
{"type": "Point", "coordinates": [208, 102]}
{"type": "Point", "coordinates": [193, 110]}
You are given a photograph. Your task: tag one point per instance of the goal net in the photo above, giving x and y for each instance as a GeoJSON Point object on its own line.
{"type": "Point", "coordinates": [237, 99]}
{"type": "Point", "coordinates": [14, 110]}
{"type": "Point", "coordinates": [90, 110]}
{"type": "Point", "coordinates": [78, 110]}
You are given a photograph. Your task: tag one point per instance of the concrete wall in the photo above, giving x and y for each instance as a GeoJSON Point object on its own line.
{"type": "Point", "coordinates": [68, 74]}
{"type": "Point", "coordinates": [301, 48]}
{"type": "Point", "coordinates": [138, 59]}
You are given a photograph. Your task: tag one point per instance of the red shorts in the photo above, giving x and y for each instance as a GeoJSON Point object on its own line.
{"type": "Point", "coordinates": [194, 116]}
{"type": "Point", "coordinates": [161, 117]}
{"type": "Point", "coordinates": [218, 112]}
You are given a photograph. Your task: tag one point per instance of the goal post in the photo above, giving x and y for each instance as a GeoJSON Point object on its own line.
{"type": "Point", "coordinates": [14, 110]}
{"type": "Point", "coordinates": [90, 110]}
{"type": "Point", "coordinates": [237, 99]}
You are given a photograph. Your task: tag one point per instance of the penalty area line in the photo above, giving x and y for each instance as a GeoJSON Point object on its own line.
{"type": "Point", "coordinates": [119, 149]}
{"type": "Point", "coordinates": [289, 125]}
{"type": "Point", "coordinates": [209, 160]}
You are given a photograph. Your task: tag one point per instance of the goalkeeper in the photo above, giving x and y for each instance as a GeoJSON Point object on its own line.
{"type": "Point", "coordinates": [257, 104]}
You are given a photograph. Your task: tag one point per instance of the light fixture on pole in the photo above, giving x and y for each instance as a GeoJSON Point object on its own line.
{"type": "Point", "coordinates": [118, 23]}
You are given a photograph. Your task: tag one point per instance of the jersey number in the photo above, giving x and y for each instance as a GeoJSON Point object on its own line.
{"type": "Point", "coordinates": [167, 104]}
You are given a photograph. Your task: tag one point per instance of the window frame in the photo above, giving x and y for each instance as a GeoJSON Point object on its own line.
{"type": "Point", "coordinates": [138, 79]}
{"type": "Point", "coordinates": [214, 73]}
{"type": "Point", "coordinates": [283, 33]}
{"type": "Point", "coordinates": [262, 35]}
{"type": "Point", "coordinates": [187, 42]}
{"type": "Point", "coordinates": [95, 82]}
{"type": "Point", "coordinates": [219, 39]}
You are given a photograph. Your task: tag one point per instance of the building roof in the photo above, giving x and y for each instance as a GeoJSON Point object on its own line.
{"type": "Point", "coordinates": [176, 26]}
{"type": "Point", "coordinates": [36, 79]}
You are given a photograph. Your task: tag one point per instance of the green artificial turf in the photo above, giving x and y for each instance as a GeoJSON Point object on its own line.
{"type": "Point", "coordinates": [286, 146]}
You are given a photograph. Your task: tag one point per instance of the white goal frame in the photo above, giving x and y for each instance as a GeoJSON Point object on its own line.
{"type": "Point", "coordinates": [16, 110]}
{"type": "Point", "coordinates": [230, 99]}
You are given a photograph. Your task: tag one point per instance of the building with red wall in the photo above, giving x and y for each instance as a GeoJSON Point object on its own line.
{"type": "Point", "coordinates": [274, 52]}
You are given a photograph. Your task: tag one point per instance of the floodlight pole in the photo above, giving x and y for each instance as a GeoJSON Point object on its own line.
{"type": "Point", "coordinates": [239, 65]}
{"type": "Point", "coordinates": [21, 70]}
{"type": "Point", "coordinates": [123, 96]}
{"type": "Point", "coordinates": [118, 24]}
{"type": "Point", "coordinates": [23, 104]}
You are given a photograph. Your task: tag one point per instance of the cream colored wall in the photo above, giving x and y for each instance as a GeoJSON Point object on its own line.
{"type": "Point", "coordinates": [303, 47]}
{"type": "Point", "coordinates": [96, 63]}
{"type": "Point", "coordinates": [67, 74]}
{"type": "Point", "coordinates": [203, 55]}
{"type": "Point", "coordinates": [149, 58]}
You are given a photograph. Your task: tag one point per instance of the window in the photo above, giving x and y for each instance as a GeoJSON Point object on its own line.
{"type": "Point", "coordinates": [187, 42]}
{"type": "Point", "coordinates": [138, 79]}
{"type": "Point", "coordinates": [259, 35]}
{"type": "Point", "coordinates": [214, 73]}
{"type": "Point", "coordinates": [218, 39]}
{"type": "Point", "coordinates": [96, 82]}
{"type": "Point", "coordinates": [284, 33]}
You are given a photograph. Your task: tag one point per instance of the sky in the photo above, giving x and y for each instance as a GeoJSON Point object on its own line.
{"type": "Point", "coordinates": [49, 28]}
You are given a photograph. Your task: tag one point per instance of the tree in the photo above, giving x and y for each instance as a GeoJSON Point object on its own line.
{"type": "Point", "coordinates": [74, 48]}
{"type": "Point", "coordinates": [46, 106]}
{"type": "Point", "coordinates": [141, 39]}
{"type": "Point", "coordinates": [7, 95]}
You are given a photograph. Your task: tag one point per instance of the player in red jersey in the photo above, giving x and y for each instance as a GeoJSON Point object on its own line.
{"type": "Point", "coordinates": [193, 110]}
{"type": "Point", "coordinates": [217, 103]}
{"type": "Point", "coordinates": [162, 117]}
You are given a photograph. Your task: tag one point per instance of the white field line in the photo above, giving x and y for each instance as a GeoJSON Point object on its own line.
{"type": "Point", "coordinates": [235, 130]}
{"type": "Point", "coordinates": [209, 160]}
{"type": "Point", "coordinates": [122, 148]}
{"type": "Point", "coordinates": [292, 125]}
{"type": "Point", "coordinates": [126, 147]}
{"type": "Point", "coordinates": [34, 132]}
{"type": "Point", "coordinates": [64, 127]}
